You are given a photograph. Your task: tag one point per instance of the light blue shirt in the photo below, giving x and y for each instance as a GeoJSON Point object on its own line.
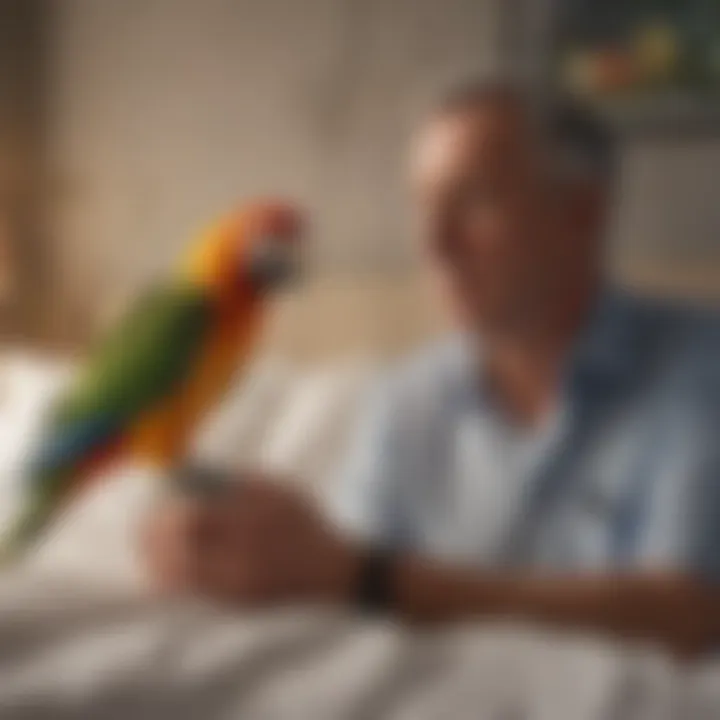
{"type": "Point", "coordinates": [626, 474]}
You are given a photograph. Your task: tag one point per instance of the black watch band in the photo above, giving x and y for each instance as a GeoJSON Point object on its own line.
{"type": "Point", "coordinates": [375, 590]}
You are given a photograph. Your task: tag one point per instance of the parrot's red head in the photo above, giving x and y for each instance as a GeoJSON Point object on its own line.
{"type": "Point", "coordinates": [271, 256]}
{"type": "Point", "coordinates": [252, 251]}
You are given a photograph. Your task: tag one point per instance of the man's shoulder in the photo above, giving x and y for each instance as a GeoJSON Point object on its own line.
{"type": "Point", "coordinates": [685, 336]}
{"type": "Point", "coordinates": [681, 312]}
{"type": "Point", "coordinates": [434, 372]}
{"type": "Point", "coordinates": [685, 324]}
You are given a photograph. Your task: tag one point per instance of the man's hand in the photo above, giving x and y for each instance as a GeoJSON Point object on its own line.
{"type": "Point", "coordinates": [265, 543]}
{"type": "Point", "coordinates": [259, 543]}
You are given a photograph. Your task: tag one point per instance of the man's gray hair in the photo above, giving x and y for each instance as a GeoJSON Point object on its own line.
{"type": "Point", "coordinates": [580, 143]}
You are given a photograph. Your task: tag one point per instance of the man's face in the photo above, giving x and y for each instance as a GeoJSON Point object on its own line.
{"type": "Point", "coordinates": [497, 233]}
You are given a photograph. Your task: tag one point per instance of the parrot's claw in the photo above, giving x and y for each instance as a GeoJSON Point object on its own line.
{"type": "Point", "coordinates": [201, 480]}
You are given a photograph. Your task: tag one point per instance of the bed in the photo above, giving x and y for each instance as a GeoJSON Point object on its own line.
{"type": "Point", "coordinates": [80, 637]}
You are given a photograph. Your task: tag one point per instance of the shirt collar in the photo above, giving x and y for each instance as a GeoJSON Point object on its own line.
{"type": "Point", "coordinates": [607, 348]}
{"type": "Point", "coordinates": [604, 354]}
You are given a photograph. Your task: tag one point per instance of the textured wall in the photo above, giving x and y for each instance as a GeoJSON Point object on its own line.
{"type": "Point", "coordinates": [163, 112]}
{"type": "Point", "coordinates": [21, 162]}
{"type": "Point", "coordinates": [669, 213]}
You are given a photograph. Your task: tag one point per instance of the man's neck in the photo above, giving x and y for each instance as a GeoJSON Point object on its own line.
{"type": "Point", "coordinates": [524, 366]}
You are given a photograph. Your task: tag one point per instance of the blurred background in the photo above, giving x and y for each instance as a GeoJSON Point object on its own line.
{"type": "Point", "coordinates": [127, 124]}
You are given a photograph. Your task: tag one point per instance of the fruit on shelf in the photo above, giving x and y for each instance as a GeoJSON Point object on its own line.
{"type": "Point", "coordinates": [599, 71]}
{"type": "Point", "coordinates": [657, 50]}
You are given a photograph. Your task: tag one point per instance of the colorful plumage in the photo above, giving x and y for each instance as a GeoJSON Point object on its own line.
{"type": "Point", "coordinates": [165, 365]}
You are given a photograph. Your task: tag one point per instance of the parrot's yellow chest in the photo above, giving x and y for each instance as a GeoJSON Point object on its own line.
{"type": "Point", "coordinates": [162, 436]}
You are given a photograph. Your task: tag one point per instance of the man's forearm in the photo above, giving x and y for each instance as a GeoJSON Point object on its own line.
{"type": "Point", "coordinates": [674, 611]}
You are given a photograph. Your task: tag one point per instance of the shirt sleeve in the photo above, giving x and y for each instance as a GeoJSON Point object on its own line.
{"type": "Point", "coordinates": [680, 526]}
{"type": "Point", "coordinates": [364, 498]}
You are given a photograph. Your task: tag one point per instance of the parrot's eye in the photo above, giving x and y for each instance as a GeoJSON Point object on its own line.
{"type": "Point", "coordinates": [274, 262]}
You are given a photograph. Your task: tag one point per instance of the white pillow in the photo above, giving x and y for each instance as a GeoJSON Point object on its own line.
{"type": "Point", "coordinates": [98, 535]}
{"type": "Point", "coordinates": [286, 419]}
{"type": "Point", "coordinates": [234, 433]}
{"type": "Point", "coordinates": [276, 418]}
{"type": "Point", "coordinates": [307, 437]}
{"type": "Point", "coordinates": [28, 384]}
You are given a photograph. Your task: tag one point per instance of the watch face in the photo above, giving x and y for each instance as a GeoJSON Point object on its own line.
{"type": "Point", "coordinates": [375, 589]}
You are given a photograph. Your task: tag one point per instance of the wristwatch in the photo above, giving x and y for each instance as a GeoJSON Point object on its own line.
{"type": "Point", "coordinates": [375, 590]}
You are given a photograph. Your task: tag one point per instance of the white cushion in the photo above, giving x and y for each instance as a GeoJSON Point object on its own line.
{"type": "Point", "coordinates": [307, 437]}
{"type": "Point", "coordinates": [277, 418]}
{"type": "Point", "coordinates": [234, 433]}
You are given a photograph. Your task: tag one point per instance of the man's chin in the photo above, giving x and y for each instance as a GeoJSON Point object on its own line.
{"type": "Point", "coordinates": [483, 318]}
{"type": "Point", "coordinates": [472, 310]}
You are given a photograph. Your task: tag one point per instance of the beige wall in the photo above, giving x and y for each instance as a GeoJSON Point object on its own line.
{"type": "Point", "coordinates": [669, 212]}
{"type": "Point", "coordinates": [161, 113]}
{"type": "Point", "coordinates": [164, 112]}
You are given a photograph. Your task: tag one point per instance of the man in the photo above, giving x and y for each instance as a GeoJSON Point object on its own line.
{"type": "Point", "coordinates": [555, 461]}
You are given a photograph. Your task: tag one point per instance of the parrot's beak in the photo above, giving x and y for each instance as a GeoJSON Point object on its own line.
{"type": "Point", "coordinates": [274, 263]}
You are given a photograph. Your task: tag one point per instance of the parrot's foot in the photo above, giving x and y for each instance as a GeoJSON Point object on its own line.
{"type": "Point", "coordinates": [201, 480]}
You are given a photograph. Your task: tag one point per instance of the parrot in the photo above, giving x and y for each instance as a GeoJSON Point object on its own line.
{"type": "Point", "coordinates": [163, 366]}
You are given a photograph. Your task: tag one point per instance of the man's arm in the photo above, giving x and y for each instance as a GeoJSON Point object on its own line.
{"type": "Point", "coordinates": [267, 545]}
{"type": "Point", "coordinates": [676, 611]}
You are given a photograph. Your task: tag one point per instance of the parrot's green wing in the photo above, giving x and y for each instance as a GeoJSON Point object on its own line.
{"type": "Point", "coordinates": [141, 360]}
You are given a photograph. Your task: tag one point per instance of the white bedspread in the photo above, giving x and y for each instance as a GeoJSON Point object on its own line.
{"type": "Point", "coordinates": [73, 649]}
{"type": "Point", "coordinates": [79, 637]}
